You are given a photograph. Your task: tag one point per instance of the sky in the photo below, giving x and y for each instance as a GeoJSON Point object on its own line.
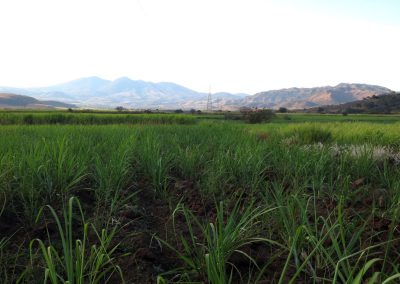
{"type": "Point", "coordinates": [227, 45]}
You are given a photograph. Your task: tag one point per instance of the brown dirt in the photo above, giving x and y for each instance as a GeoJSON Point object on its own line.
{"type": "Point", "coordinates": [153, 218]}
{"type": "Point", "coordinates": [142, 257]}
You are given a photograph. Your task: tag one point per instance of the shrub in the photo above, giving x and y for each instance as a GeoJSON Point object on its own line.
{"type": "Point", "coordinates": [58, 119]}
{"type": "Point", "coordinates": [259, 116]}
{"type": "Point", "coordinates": [233, 116]}
{"type": "Point", "coordinates": [28, 119]}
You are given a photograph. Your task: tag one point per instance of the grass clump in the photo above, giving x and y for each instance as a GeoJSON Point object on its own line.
{"type": "Point", "coordinates": [209, 256]}
{"type": "Point", "coordinates": [77, 262]}
{"type": "Point", "coordinates": [313, 134]}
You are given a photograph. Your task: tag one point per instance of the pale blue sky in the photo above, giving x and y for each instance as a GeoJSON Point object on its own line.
{"type": "Point", "coordinates": [380, 11]}
{"type": "Point", "coordinates": [232, 45]}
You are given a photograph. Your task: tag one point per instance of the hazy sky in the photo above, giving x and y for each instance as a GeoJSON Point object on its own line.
{"type": "Point", "coordinates": [232, 45]}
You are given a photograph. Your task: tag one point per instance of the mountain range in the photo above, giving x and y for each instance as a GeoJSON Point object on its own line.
{"type": "Point", "coordinates": [299, 98]}
{"type": "Point", "coordinates": [95, 92]}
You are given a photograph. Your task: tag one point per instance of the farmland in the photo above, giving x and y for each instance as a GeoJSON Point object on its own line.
{"type": "Point", "coordinates": [146, 198]}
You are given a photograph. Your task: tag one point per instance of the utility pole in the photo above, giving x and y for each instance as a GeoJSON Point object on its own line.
{"type": "Point", "coordinates": [209, 101]}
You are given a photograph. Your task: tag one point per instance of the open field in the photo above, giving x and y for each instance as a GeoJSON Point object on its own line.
{"type": "Point", "coordinates": [181, 199]}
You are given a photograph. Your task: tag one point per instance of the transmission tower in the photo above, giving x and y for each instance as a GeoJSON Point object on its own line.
{"type": "Point", "coordinates": [209, 102]}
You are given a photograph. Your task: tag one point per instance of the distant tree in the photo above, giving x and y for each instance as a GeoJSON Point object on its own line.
{"type": "Point", "coordinates": [192, 111]}
{"type": "Point", "coordinates": [178, 111]}
{"type": "Point", "coordinates": [287, 117]}
{"type": "Point", "coordinates": [148, 111]}
{"type": "Point", "coordinates": [259, 116]}
{"type": "Point", "coordinates": [119, 108]}
{"type": "Point", "coordinates": [387, 109]}
{"type": "Point", "coordinates": [245, 110]}
{"type": "Point", "coordinates": [233, 116]}
{"type": "Point", "coordinates": [370, 105]}
{"type": "Point", "coordinates": [28, 119]}
{"type": "Point", "coordinates": [70, 110]}
{"type": "Point", "coordinates": [320, 110]}
{"type": "Point", "coordinates": [199, 111]}
{"type": "Point", "coordinates": [282, 110]}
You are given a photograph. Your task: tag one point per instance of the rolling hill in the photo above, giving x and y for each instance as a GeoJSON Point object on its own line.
{"type": "Point", "coordinates": [8, 100]}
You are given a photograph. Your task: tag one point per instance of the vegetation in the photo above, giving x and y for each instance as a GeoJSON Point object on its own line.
{"type": "Point", "coordinates": [259, 116]}
{"type": "Point", "coordinates": [384, 104]}
{"type": "Point", "coordinates": [310, 199]}
{"type": "Point", "coordinates": [251, 115]}
{"type": "Point", "coordinates": [7, 117]}
{"type": "Point", "coordinates": [79, 263]}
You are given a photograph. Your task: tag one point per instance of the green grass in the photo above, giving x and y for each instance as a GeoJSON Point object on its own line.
{"type": "Point", "coordinates": [341, 132]}
{"type": "Point", "coordinates": [222, 238]}
{"type": "Point", "coordinates": [311, 194]}
{"type": "Point", "coordinates": [371, 118]}
{"type": "Point", "coordinates": [77, 262]}
{"type": "Point", "coordinates": [29, 118]}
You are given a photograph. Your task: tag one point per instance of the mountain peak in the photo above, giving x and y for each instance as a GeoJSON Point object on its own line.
{"type": "Point", "coordinates": [91, 79]}
{"type": "Point", "coordinates": [123, 79]}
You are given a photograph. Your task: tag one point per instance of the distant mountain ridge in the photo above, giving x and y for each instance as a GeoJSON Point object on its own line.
{"type": "Point", "coordinates": [100, 93]}
{"type": "Point", "coordinates": [96, 92]}
{"type": "Point", "coordinates": [18, 101]}
{"type": "Point", "coordinates": [378, 104]}
{"type": "Point", "coordinates": [299, 98]}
